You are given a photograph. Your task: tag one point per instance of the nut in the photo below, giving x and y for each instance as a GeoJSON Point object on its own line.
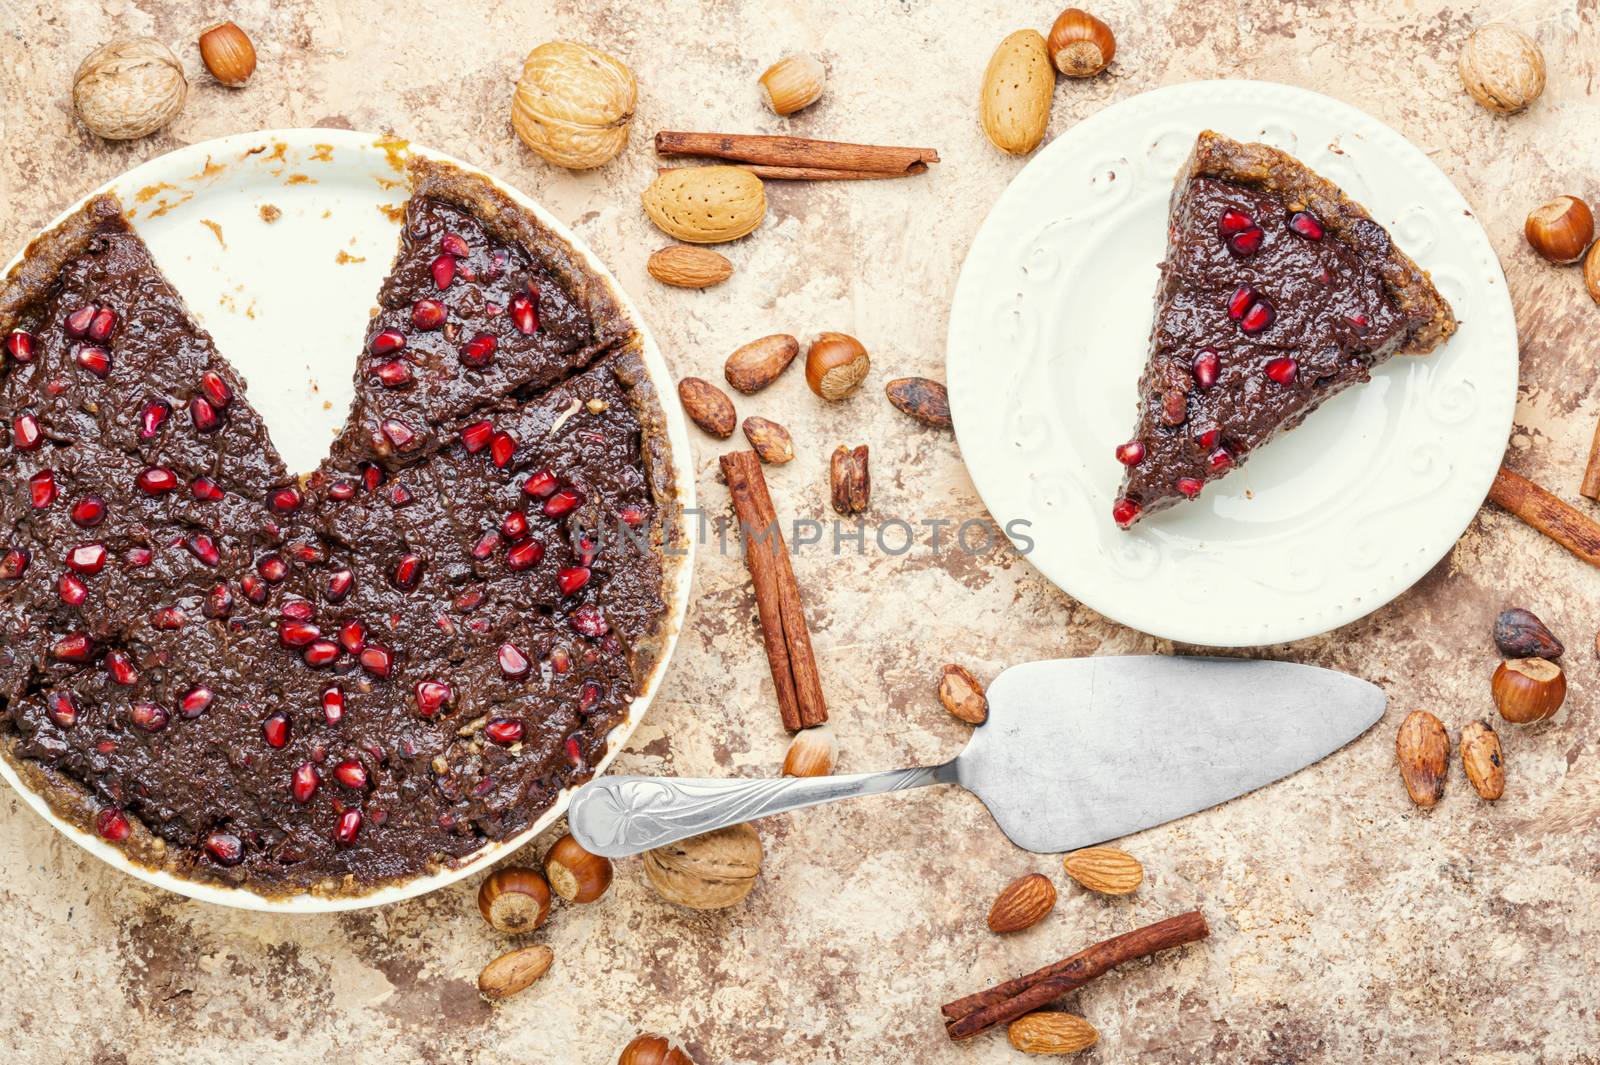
{"type": "Point", "coordinates": [792, 83]}
{"type": "Point", "coordinates": [925, 400]}
{"type": "Point", "coordinates": [1106, 870]}
{"type": "Point", "coordinates": [1017, 86]}
{"type": "Point", "coordinates": [758, 363]}
{"type": "Point", "coordinates": [851, 483]}
{"type": "Point", "coordinates": [1080, 45]}
{"type": "Point", "coordinates": [513, 972]}
{"type": "Point", "coordinates": [1051, 1032]}
{"type": "Point", "coordinates": [812, 753]}
{"type": "Point", "coordinates": [1560, 230]}
{"type": "Point", "coordinates": [1528, 689]}
{"type": "Point", "coordinates": [573, 104]}
{"type": "Point", "coordinates": [708, 406]}
{"type": "Point", "coordinates": [514, 900]}
{"type": "Point", "coordinates": [1591, 272]}
{"type": "Point", "coordinates": [651, 1049]}
{"type": "Point", "coordinates": [771, 440]}
{"type": "Point", "coordinates": [227, 52]}
{"type": "Point", "coordinates": [575, 874]}
{"type": "Point", "coordinates": [835, 364]}
{"type": "Point", "coordinates": [706, 204]}
{"type": "Point", "coordinates": [129, 88]}
{"type": "Point", "coordinates": [1519, 634]}
{"type": "Point", "coordinates": [962, 695]}
{"type": "Point", "coordinates": [686, 266]}
{"type": "Point", "coordinates": [1423, 750]}
{"type": "Point", "coordinates": [1482, 759]}
{"type": "Point", "coordinates": [1022, 904]}
{"type": "Point", "coordinates": [707, 872]}
{"type": "Point", "coordinates": [1502, 68]}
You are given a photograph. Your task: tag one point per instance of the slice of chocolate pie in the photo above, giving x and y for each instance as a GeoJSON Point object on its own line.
{"type": "Point", "coordinates": [1277, 292]}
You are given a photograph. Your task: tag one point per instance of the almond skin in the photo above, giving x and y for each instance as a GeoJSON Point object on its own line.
{"type": "Point", "coordinates": [685, 266]}
{"type": "Point", "coordinates": [770, 440]}
{"type": "Point", "coordinates": [1106, 870]}
{"type": "Point", "coordinates": [1483, 760]}
{"type": "Point", "coordinates": [708, 406]}
{"type": "Point", "coordinates": [1423, 750]}
{"type": "Point", "coordinates": [1048, 1032]}
{"type": "Point", "coordinates": [758, 363]}
{"type": "Point", "coordinates": [962, 695]}
{"type": "Point", "coordinates": [1022, 904]}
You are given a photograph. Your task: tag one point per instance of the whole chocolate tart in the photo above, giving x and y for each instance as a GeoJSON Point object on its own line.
{"type": "Point", "coordinates": [1277, 292]}
{"type": "Point", "coordinates": [349, 679]}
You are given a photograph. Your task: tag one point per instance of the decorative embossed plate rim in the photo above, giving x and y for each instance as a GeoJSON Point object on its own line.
{"type": "Point", "coordinates": [1049, 331]}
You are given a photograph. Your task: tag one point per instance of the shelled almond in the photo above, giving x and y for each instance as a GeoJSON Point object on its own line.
{"type": "Point", "coordinates": [1022, 904]}
{"type": "Point", "coordinates": [1105, 870]}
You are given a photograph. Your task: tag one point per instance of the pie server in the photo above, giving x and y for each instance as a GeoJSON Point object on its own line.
{"type": "Point", "coordinates": [1075, 751]}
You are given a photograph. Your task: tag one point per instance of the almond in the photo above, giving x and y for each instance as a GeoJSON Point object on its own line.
{"type": "Point", "coordinates": [1022, 904]}
{"type": "Point", "coordinates": [758, 364]}
{"type": "Point", "coordinates": [962, 695]}
{"type": "Point", "coordinates": [771, 440]}
{"type": "Point", "coordinates": [1017, 87]}
{"type": "Point", "coordinates": [706, 204]}
{"type": "Point", "coordinates": [708, 406]}
{"type": "Point", "coordinates": [513, 972]}
{"type": "Point", "coordinates": [1105, 869]}
{"type": "Point", "coordinates": [1481, 757]}
{"type": "Point", "coordinates": [686, 266]}
{"type": "Point", "coordinates": [1050, 1032]}
{"type": "Point", "coordinates": [1423, 748]}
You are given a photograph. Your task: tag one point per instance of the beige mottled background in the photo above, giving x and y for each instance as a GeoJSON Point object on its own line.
{"type": "Point", "coordinates": [1348, 926]}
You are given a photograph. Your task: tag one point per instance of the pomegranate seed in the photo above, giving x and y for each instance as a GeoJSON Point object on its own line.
{"type": "Point", "coordinates": [285, 500]}
{"type": "Point", "coordinates": [88, 512]}
{"type": "Point", "coordinates": [275, 730]}
{"type": "Point", "coordinates": [205, 489]}
{"type": "Point", "coordinates": [486, 546]}
{"type": "Point", "coordinates": [120, 669]}
{"type": "Point", "coordinates": [320, 653]}
{"type": "Point", "coordinates": [427, 314]}
{"type": "Point", "coordinates": [431, 695]}
{"type": "Point", "coordinates": [149, 716]}
{"type": "Point", "coordinates": [525, 555]}
{"type": "Point", "coordinates": [87, 559]}
{"type": "Point", "coordinates": [443, 270]}
{"type": "Point", "coordinates": [384, 342]}
{"type": "Point", "coordinates": [399, 494]}
{"type": "Point", "coordinates": [196, 701]}
{"type": "Point", "coordinates": [156, 480]}
{"type": "Point", "coordinates": [588, 696]}
{"type": "Point", "coordinates": [72, 590]}
{"type": "Point", "coordinates": [353, 637]}
{"type": "Point", "coordinates": [25, 432]}
{"type": "Point", "coordinates": [515, 525]}
{"type": "Point", "coordinates": [204, 548]}
{"type": "Point", "coordinates": [454, 244]}
{"type": "Point", "coordinates": [297, 609]}
{"type": "Point", "coordinates": [562, 502]}
{"type": "Point", "coordinates": [560, 660]}
{"type": "Point", "coordinates": [255, 589]}
{"type": "Point", "coordinates": [151, 417]}
{"type": "Point", "coordinates": [96, 360]}
{"type": "Point", "coordinates": [392, 374]}
{"type": "Point", "coordinates": [303, 783]}
{"type": "Point", "coordinates": [377, 660]}
{"type": "Point", "coordinates": [216, 389]}
{"type": "Point", "coordinates": [340, 491]}
{"type": "Point", "coordinates": [168, 618]}
{"type": "Point", "coordinates": [42, 488]}
{"type": "Point", "coordinates": [273, 568]}
{"type": "Point", "coordinates": [297, 633]}
{"type": "Point", "coordinates": [1206, 365]}
{"type": "Point", "coordinates": [501, 449]}
{"type": "Point", "coordinates": [476, 436]}
{"type": "Point", "coordinates": [1233, 221]}
{"type": "Point", "coordinates": [203, 415]}
{"type": "Point", "coordinates": [504, 731]}
{"type": "Point", "coordinates": [219, 602]}
{"type": "Point", "coordinates": [62, 709]}
{"type": "Point", "coordinates": [351, 773]}
{"type": "Point", "coordinates": [479, 350]}
{"type": "Point", "coordinates": [77, 323]}
{"type": "Point", "coordinates": [349, 826]}
{"type": "Point", "coordinates": [1219, 460]}
{"type": "Point", "coordinates": [574, 752]}
{"type": "Point", "coordinates": [19, 345]}
{"type": "Point", "coordinates": [102, 325]}
{"type": "Point", "coordinates": [407, 572]}
{"type": "Point", "coordinates": [1357, 322]}
{"type": "Point", "coordinates": [524, 315]}
{"type": "Point", "coordinates": [333, 705]}
{"type": "Point", "coordinates": [225, 847]}
{"type": "Point", "coordinates": [1247, 243]}
{"type": "Point", "coordinates": [1283, 370]}
{"type": "Point", "coordinates": [112, 824]}
{"type": "Point", "coordinates": [1306, 224]}
{"type": "Point", "coordinates": [371, 476]}
{"type": "Point", "coordinates": [631, 516]}
{"type": "Point", "coordinates": [1257, 318]}
{"type": "Point", "coordinates": [1131, 453]}
{"type": "Point", "coordinates": [587, 621]}
{"type": "Point", "coordinates": [13, 564]}
{"type": "Point", "coordinates": [513, 663]}
{"type": "Point", "coordinates": [398, 433]}
{"type": "Point", "coordinates": [1240, 301]}
{"type": "Point", "coordinates": [1125, 512]}
{"type": "Point", "coordinates": [340, 581]}
{"type": "Point", "coordinates": [137, 557]}
{"type": "Point", "coordinates": [570, 580]}
{"type": "Point", "coordinates": [1208, 439]}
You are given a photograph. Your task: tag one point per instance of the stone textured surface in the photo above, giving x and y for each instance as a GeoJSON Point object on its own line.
{"type": "Point", "coordinates": [1347, 925]}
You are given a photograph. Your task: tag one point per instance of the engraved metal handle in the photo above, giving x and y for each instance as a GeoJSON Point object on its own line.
{"type": "Point", "coordinates": [619, 816]}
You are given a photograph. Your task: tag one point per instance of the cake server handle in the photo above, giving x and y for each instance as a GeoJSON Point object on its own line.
{"type": "Point", "coordinates": [620, 816]}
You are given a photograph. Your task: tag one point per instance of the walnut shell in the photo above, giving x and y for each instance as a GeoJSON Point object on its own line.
{"type": "Point", "coordinates": [129, 88]}
{"type": "Point", "coordinates": [707, 872]}
{"type": "Point", "coordinates": [573, 104]}
{"type": "Point", "coordinates": [706, 204]}
{"type": "Point", "coordinates": [1502, 68]}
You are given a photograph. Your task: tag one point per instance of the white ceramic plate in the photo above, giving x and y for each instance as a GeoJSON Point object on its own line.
{"type": "Point", "coordinates": [1049, 332]}
{"type": "Point", "coordinates": [287, 303]}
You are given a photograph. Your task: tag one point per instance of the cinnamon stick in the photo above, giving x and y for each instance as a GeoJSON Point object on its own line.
{"type": "Point", "coordinates": [1590, 488]}
{"type": "Point", "coordinates": [814, 173]}
{"type": "Point", "coordinates": [1004, 1003]}
{"type": "Point", "coordinates": [801, 152]}
{"type": "Point", "coordinates": [1561, 522]}
{"type": "Point", "coordinates": [783, 624]}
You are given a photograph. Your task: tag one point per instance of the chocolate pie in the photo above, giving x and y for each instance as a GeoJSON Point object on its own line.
{"type": "Point", "coordinates": [1277, 292]}
{"type": "Point", "coordinates": [349, 679]}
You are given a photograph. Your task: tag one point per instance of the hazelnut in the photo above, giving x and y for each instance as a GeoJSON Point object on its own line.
{"type": "Point", "coordinates": [1080, 45]}
{"type": "Point", "coordinates": [1482, 759]}
{"type": "Point", "coordinates": [835, 365]}
{"type": "Point", "coordinates": [514, 900]}
{"type": "Point", "coordinates": [792, 83]}
{"type": "Point", "coordinates": [129, 88]}
{"type": "Point", "coordinates": [651, 1049]}
{"type": "Point", "coordinates": [812, 753]}
{"type": "Point", "coordinates": [575, 874]}
{"type": "Point", "coordinates": [513, 972]}
{"type": "Point", "coordinates": [1561, 230]}
{"type": "Point", "coordinates": [707, 872]}
{"type": "Point", "coordinates": [1502, 68]}
{"type": "Point", "coordinates": [1528, 689]}
{"type": "Point", "coordinates": [1591, 272]}
{"type": "Point", "coordinates": [227, 52]}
